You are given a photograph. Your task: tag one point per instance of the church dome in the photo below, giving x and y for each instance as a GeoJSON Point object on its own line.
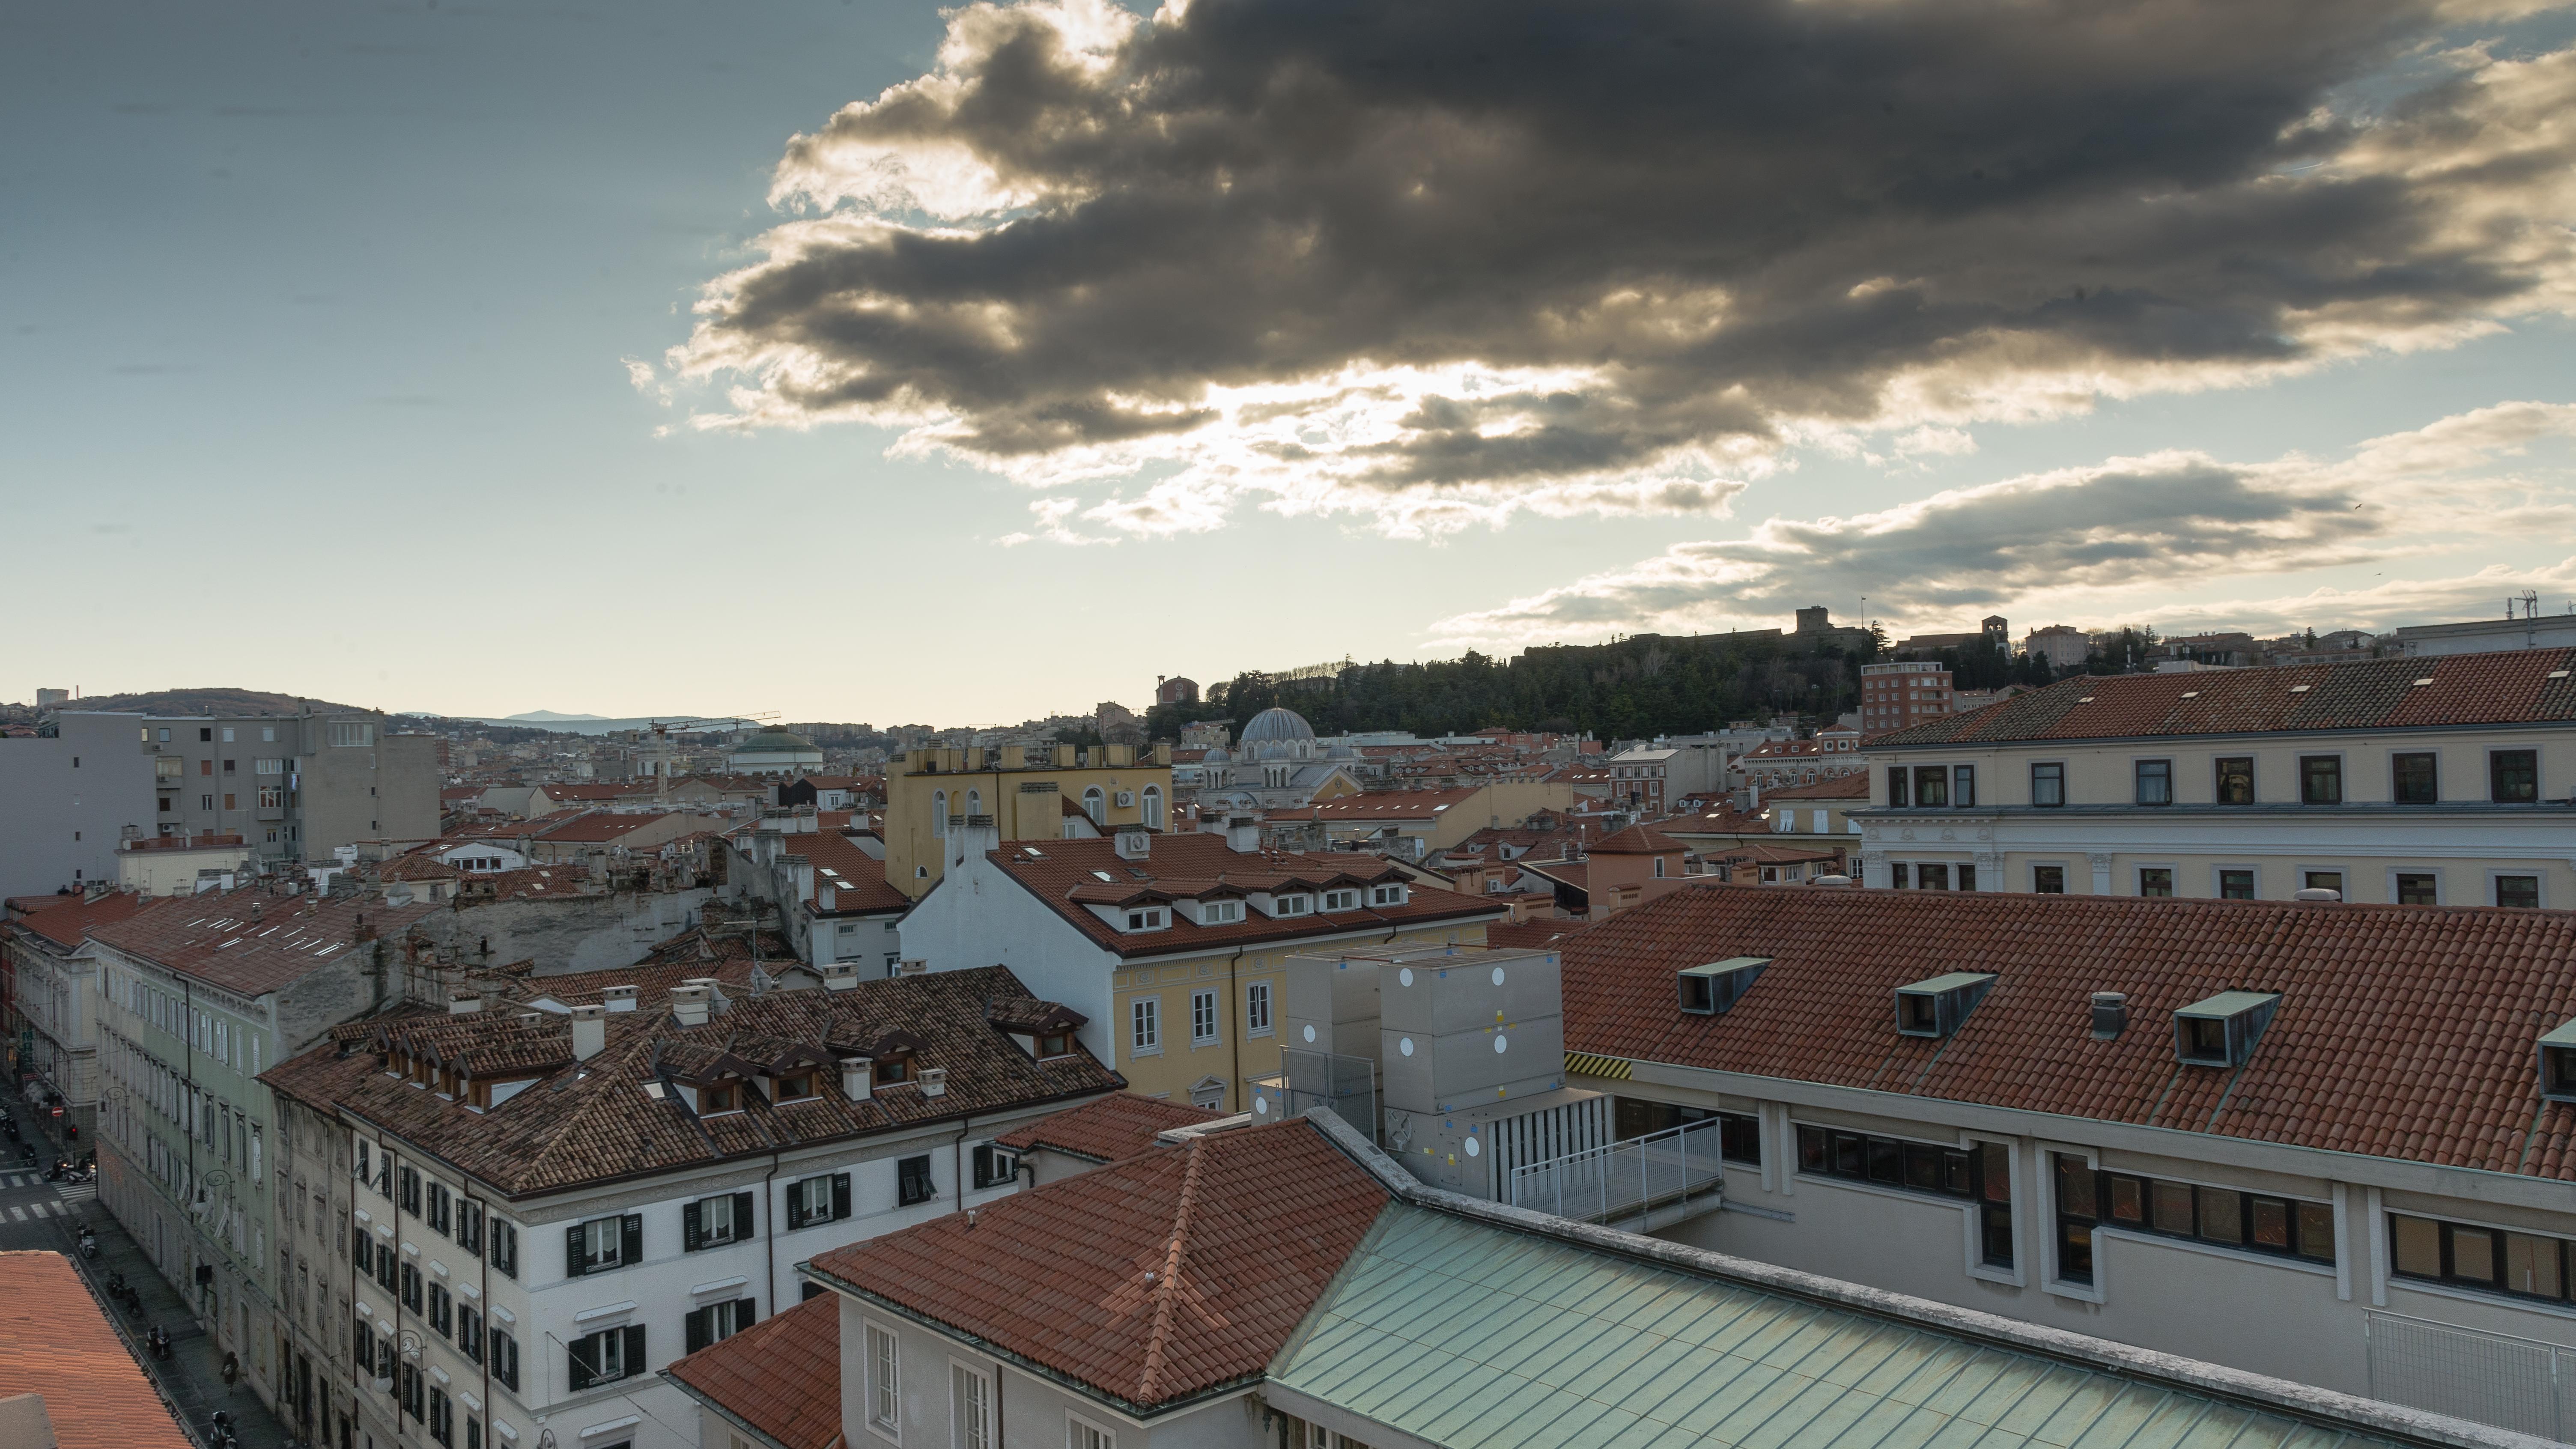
{"type": "Point", "coordinates": [1276, 724]}
{"type": "Point", "coordinates": [774, 738]}
{"type": "Point", "coordinates": [1216, 755]}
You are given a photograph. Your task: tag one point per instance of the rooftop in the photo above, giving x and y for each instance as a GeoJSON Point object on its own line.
{"type": "Point", "coordinates": [1110, 1130]}
{"type": "Point", "coordinates": [253, 940]}
{"type": "Point", "coordinates": [56, 1341]}
{"type": "Point", "coordinates": [780, 1377]}
{"type": "Point", "coordinates": [68, 924]}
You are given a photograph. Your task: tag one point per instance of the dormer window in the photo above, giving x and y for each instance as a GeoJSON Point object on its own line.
{"type": "Point", "coordinates": [1343, 900]}
{"type": "Point", "coordinates": [1292, 905]}
{"type": "Point", "coordinates": [1220, 913]}
{"type": "Point", "coordinates": [725, 1098]}
{"type": "Point", "coordinates": [1939, 1006]}
{"type": "Point", "coordinates": [2222, 1031]}
{"type": "Point", "coordinates": [1145, 918]}
{"type": "Point", "coordinates": [1055, 1044]}
{"type": "Point", "coordinates": [2558, 1064]}
{"type": "Point", "coordinates": [892, 1070]}
{"type": "Point", "coordinates": [796, 1087]}
{"type": "Point", "coordinates": [1387, 895]}
{"type": "Point", "coordinates": [1714, 988]}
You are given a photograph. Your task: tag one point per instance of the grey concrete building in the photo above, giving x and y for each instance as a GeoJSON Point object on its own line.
{"type": "Point", "coordinates": [65, 801]}
{"type": "Point", "coordinates": [294, 786]}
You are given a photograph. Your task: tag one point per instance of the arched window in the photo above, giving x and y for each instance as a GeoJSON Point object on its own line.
{"type": "Point", "coordinates": [974, 802]}
{"type": "Point", "coordinates": [1154, 806]}
{"type": "Point", "coordinates": [1095, 805]}
{"type": "Point", "coordinates": [939, 813]}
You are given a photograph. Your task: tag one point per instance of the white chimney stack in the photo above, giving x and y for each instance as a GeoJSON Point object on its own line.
{"type": "Point", "coordinates": [688, 1005]}
{"type": "Point", "coordinates": [856, 1077]}
{"type": "Point", "coordinates": [464, 1005]}
{"type": "Point", "coordinates": [618, 998]}
{"type": "Point", "coordinates": [1243, 834]}
{"type": "Point", "coordinates": [589, 1031]}
{"type": "Point", "coordinates": [828, 898]}
{"type": "Point", "coordinates": [934, 1081]}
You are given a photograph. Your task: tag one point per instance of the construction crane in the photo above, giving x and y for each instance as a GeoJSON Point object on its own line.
{"type": "Point", "coordinates": [657, 756]}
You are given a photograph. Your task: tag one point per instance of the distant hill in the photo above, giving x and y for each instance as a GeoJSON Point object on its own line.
{"type": "Point", "coordinates": [206, 701]}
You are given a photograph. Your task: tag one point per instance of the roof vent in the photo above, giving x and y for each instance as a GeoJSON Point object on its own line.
{"type": "Point", "coordinates": [1939, 1006]}
{"type": "Point", "coordinates": [934, 1081]}
{"type": "Point", "coordinates": [2316, 893]}
{"type": "Point", "coordinates": [1830, 880]}
{"type": "Point", "coordinates": [2558, 1064]}
{"type": "Point", "coordinates": [2222, 1031]}
{"type": "Point", "coordinates": [589, 1032]}
{"type": "Point", "coordinates": [618, 998]}
{"type": "Point", "coordinates": [2110, 1014]}
{"type": "Point", "coordinates": [1712, 989]}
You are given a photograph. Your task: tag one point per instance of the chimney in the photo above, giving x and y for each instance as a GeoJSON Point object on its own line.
{"type": "Point", "coordinates": [529, 1018]}
{"type": "Point", "coordinates": [934, 1081]}
{"type": "Point", "coordinates": [1243, 834]}
{"type": "Point", "coordinates": [799, 871]}
{"type": "Point", "coordinates": [855, 1077]}
{"type": "Point", "coordinates": [589, 1031]}
{"type": "Point", "coordinates": [688, 1005]}
{"type": "Point", "coordinates": [618, 998]}
{"type": "Point", "coordinates": [2110, 1014]}
{"type": "Point", "coordinates": [839, 975]}
{"type": "Point", "coordinates": [828, 898]}
{"type": "Point", "coordinates": [717, 1001]}
{"type": "Point", "coordinates": [464, 1005]}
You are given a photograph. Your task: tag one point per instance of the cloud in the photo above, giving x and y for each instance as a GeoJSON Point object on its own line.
{"type": "Point", "coordinates": [1436, 264]}
{"type": "Point", "coordinates": [2119, 538]}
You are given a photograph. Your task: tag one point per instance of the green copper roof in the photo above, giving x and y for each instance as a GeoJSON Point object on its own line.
{"type": "Point", "coordinates": [1458, 1333]}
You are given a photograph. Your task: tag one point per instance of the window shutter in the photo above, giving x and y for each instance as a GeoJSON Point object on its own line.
{"type": "Point", "coordinates": [697, 1329]}
{"type": "Point", "coordinates": [747, 1313]}
{"type": "Point", "coordinates": [635, 1349]}
{"type": "Point", "coordinates": [582, 1373]}
{"type": "Point", "coordinates": [743, 1231]}
{"type": "Point", "coordinates": [693, 1235]}
{"type": "Point", "coordinates": [840, 1196]}
{"type": "Point", "coordinates": [573, 1265]}
{"type": "Point", "coordinates": [630, 1247]}
{"type": "Point", "coordinates": [795, 1204]}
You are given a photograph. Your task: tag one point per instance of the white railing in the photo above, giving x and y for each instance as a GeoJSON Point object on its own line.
{"type": "Point", "coordinates": [1659, 1178]}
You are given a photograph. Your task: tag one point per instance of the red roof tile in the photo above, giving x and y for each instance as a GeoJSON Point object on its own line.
{"type": "Point", "coordinates": [781, 1376]}
{"type": "Point", "coordinates": [2404, 1031]}
{"type": "Point", "coordinates": [1391, 804]}
{"type": "Point", "coordinates": [1110, 1130]}
{"type": "Point", "coordinates": [1638, 840]}
{"type": "Point", "coordinates": [1853, 786]}
{"type": "Point", "coordinates": [68, 924]}
{"type": "Point", "coordinates": [252, 940]}
{"type": "Point", "coordinates": [1152, 1280]}
{"type": "Point", "coordinates": [56, 1341]}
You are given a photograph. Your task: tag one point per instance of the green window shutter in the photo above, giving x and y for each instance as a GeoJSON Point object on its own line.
{"type": "Point", "coordinates": [693, 1234]}
{"type": "Point", "coordinates": [743, 1231]}
{"type": "Point", "coordinates": [573, 1264]}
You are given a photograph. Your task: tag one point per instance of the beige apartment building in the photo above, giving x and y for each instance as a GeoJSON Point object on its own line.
{"type": "Point", "coordinates": [1026, 792]}
{"type": "Point", "coordinates": [2411, 781]}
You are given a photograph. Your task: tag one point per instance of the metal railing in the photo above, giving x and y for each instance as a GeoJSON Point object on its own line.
{"type": "Point", "coordinates": [1646, 1181]}
{"type": "Point", "coordinates": [2492, 1378]}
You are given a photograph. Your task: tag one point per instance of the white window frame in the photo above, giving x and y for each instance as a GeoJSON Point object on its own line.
{"type": "Point", "coordinates": [1147, 918]}
{"type": "Point", "coordinates": [1095, 804]}
{"type": "Point", "coordinates": [939, 814]}
{"type": "Point", "coordinates": [1082, 1433]}
{"type": "Point", "coordinates": [1257, 1020]}
{"type": "Point", "coordinates": [1345, 899]}
{"type": "Point", "coordinates": [883, 1365]}
{"type": "Point", "coordinates": [960, 1374]}
{"type": "Point", "coordinates": [1296, 905]}
{"type": "Point", "coordinates": [1205, 1028]}
{"type": "Point", "coordinates": [1387, 895]}
{"type": "Point", "coordinates": [1153, 798]}
{"type": "Point", "coordinates": [1145, 1026]}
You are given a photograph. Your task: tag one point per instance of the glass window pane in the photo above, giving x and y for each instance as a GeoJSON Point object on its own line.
{"type": "Point", "coordinates": [2513, 777]}
{"type": "Point", "coordinates": [2158, 883]}
{"type": "Point", "coordinates": [1923, 1166]}
{"type": "Point", "coordinates": [2418, 1246]}
{"type": "Point", "coordinates": [2316, 1231]}
{"type": "Point", "coordinates": [1811, 1149]}
{"type": "Point", "coordinates": [2413, 779]}
{"type": "Point", "coordinates": [1851, 1155]}
{"type": "Point", "coordinates": [2236, 780]}
{"type": "Point", "coordinates": [2222, 1215]}
{"type": "Point", "coordinates": [1954, 1173]}
{"type": "Point", "coordinates": [1886, 1161]}
{"type": "Point", "coordinates": [2075, 1252]}
{"type": "Point", "coordinates": [2236, 885]}
{"type": "Point", "coordinates": [2172, 1207]}
{"type": "Point", "coordinates": [2271, 1223]}
{"type": "Point", "coordinates": [2417, 890]}
{"type": "Point", "coordinates": [1997, 1221]}
{"type": "Point", "coordinates": [2074, 1187]}
{"type": "Point", "coordinates": [1994, 1168]}
{"type": "Point", "coordinates": [2521, 891]}
{"type": "Point", "coordinates": [2473, 1254]}
{"type": "Point", "coordinates": [2128, 1200]}
{"type": "Point", "coordinates": [2531, 1264]}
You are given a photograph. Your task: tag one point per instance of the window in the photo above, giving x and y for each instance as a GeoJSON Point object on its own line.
{"type": "Point", "coordinates": [1202, 1017]}
{"type": "Point", "coordinates": [469, 1333]}
{"type": "Point", "coordinates": [885, 1380]}
{"type": "Point", "coordinates": [2491, 1260]}
{"type": "Point", "coordinates": [1931, 787]}
{"type": "Point", "coordinates": [2236, 885]}
{"type": "Point", "coordinates": [1145, 1024]}
{"type": "Point", "coordinates": [719, 1321]}
{"type": "Point", "coordinates": [1931, 876]}
{"type": "Point", "coordinates": [347, 733]}
{"type": "Point", "coordinates": [821, 1199]}
{"type": "Point", "coordinates": [1963, 786]}
{"type": "Point", "coordinates": [2236, 779]}
{"type": "Point", "coordinates": [505, 1359]}
{"type": "Point", "coordinates": [2412, 780]}
{"type": "Point", "coordinates": [2518, 890]}
{"type": "Point", "coordinates": [411, 1191]}
{"type": "Point", "coordinates": [270, 766]}
{"type": "Point", "coordinates": [2323, 880]}
{"type": "Point", "coordinates": [469, 1228]}
{"type": "Point", "coordinates": [410, 1284]}
{"type": "Point", "coordinates": [1095, 804]}
{"type": "Point", "coordinates": [1220, 913]}
{"type": "Point", "coordinates": [2155, 881]}
{"type": "Point", "coordinates": [2254, 1222]}
{"type": "Point", "coordinates": [1149, 919]}
{"type": "Point", "coordinates": [1256, 1008]}
{"type": "Point", "coordinates": [1349, 900]}
{"type": "Point", "coordinates": [1739, 1136]}
{"type": "Point", "coordinates": [2048, 880]}
{"type": "Point", "coordinates": [2320, 779]}
{"type": "Point", "coordinates": [796, 1086]}
{"type": "Point", "coordinates": [603, 1243]}
{"type": "Point", "coordinates": [442, 1311]}
{"type": "Point", "coordinates": [411, 1387]}
{"type": "Point", "coordinates": [939, 814]}
{"type": "Point", "coordinates": [1054, 1044]}
{"type": "Point", "coordinates": [505, 1248]}
{"type": "Point", "coordinates": [1967, 877]}
{"type": "Point", "coordinates": [1896, 875]}
{"type": "Point", "coordinates": [1299, 905]}
{"type": "Point", "coordinates": [2155, 782]}
{"type": "Point", "coordinates": [913, 1182]}
{"type": "Point", "coordinates": [272, 797]}
{"type": "Point", "coordinates": [2418, 890]}
{"type": "Point", "coordinates": [441, 1209]}
{"type": "Point", "coordinates": [1081, 1433]}
{"type": "Point", "coordinates": [1896, 799]}
{"type": "Point", "coordinates": [721, 1097]}
{"type": "Point", "coordinates": [970, 1417]}
{"type": "Point", "coordinates": [607, 1356]}
{"type": "Point", "coordinates": [1387, 895]}
{"type": "Point", "coordinates": [1154, 806]}
{"type": "Point", "coordinates": [974, 803]}
{"type": "Point", "coordinates": [2513, 777]}
{"type": "Point", "coordinates": [995, 1166]}
{"type": "Point", "coordinates": [712, 1222]}
{"type": "Point", "coordinates": [1980, 1173]}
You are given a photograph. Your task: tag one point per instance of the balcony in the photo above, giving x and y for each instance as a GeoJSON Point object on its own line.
{"type": "Point", "coordinates": [1639, 1185]}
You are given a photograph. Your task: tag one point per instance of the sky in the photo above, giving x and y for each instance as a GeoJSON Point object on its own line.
{"type": "Point", "coordinates": [864, 361]}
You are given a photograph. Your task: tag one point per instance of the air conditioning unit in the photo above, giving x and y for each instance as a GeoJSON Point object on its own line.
{"type": "Point", "coordinates": [1126, 799]}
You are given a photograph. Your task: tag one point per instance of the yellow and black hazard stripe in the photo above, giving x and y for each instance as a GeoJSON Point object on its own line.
{"type": "Point", "coordinates": [1584, 1064]}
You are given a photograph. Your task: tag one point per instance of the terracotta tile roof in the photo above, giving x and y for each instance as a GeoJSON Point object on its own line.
{"type": "Point", "coordinates": [2404, 1031]}
{"type": "Point", "coordinates": [858, 878]}
{"type": "Point", "coordinates": [2465, 689]}
{"type": "Point", "coordinates": [1392, 804]}
{"type": "Point", "coordinates": [253, 941]}
{"type": "Point", "coordinates": [781, 1376]}
{"type": "Point", "coordinates": [418, 867]}
{"type": "Point", "coordinates": [1573, 872]}
{"type": "Point", "coordinates": [1854, 786]}
{"type": "Point", "coordinates": [1534, 935]}
{"type": "Point", "coordinates": [597, 1124]}
{"type": "Point", "coordinates": [56, 1341]}
{"type": "Point", "coordinates": [595, 827]}
{"type": "Point", "coordinates": [1638, 840]}
{"type": "Point", "coordinates": [1152, 1280]}
{"type": "Point", "coordinates": [544, 882]}
{"type": "Point", "coordinates": [652, 978]}
{"type": "Point", "coordinates": [1053, 870]}
{"type": "Point", "coordinates": [1110, 1130]}
{"type": "Point", "coordinates": [69, 923]}
{"type": "Point", "coordinates": [1764, 853]}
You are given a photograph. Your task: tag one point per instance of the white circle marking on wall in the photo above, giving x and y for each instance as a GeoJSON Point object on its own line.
{"type": "Point", "coordinates": [1404, 1045]}
{"type": "Point", "coordinates": [1261, 1106]}
{"type": "Point", "coordinates": [1404, 977]}
{"type": "Point", "coordinates": [1498, 976]}
{"type": "Point", "coordinates": [1310, 1033]}
{"type": "Point", "coordinates": [1472, 1148]}
{"type": "Point", "coordinates": [1498, 1043]}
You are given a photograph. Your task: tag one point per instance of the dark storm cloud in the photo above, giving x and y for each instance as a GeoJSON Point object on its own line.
{"type": "Point", "coordinates": [1436, 261]}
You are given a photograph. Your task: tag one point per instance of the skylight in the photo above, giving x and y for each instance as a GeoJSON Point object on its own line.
{"type": "Point", "coordinates": [1100, 875]}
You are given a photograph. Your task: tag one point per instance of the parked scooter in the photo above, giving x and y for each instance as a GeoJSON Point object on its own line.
{"type": "Point", "coordinates": [88, 1243]}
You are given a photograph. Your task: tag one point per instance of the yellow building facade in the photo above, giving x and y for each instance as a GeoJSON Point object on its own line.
{"type": "Point", "coordinates": [1025, 789]}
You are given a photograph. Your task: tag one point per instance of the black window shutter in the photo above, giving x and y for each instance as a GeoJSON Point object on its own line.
{"type": "Point", "coordinates": [582, 1372]}
{"type": "Point", "coordinates": [630, 1248]}
{"type": "Point", "coordinates": [840, 1196]}
{"type": "Point", "coordinates": [697, 1329]}
{"type": "Point", "coordinates": [747, 1313]}
{"type": "Point", "coordinates": [693, 1235]}
{"type": "Point", "coordinates": [743, 1231]}
{"type": "Point", "coordinates": [635, 1349]}
{"type": "Point", "coordinates": [795, 1204]}
{"type": "Point", "coordinates": [573, 1264]}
